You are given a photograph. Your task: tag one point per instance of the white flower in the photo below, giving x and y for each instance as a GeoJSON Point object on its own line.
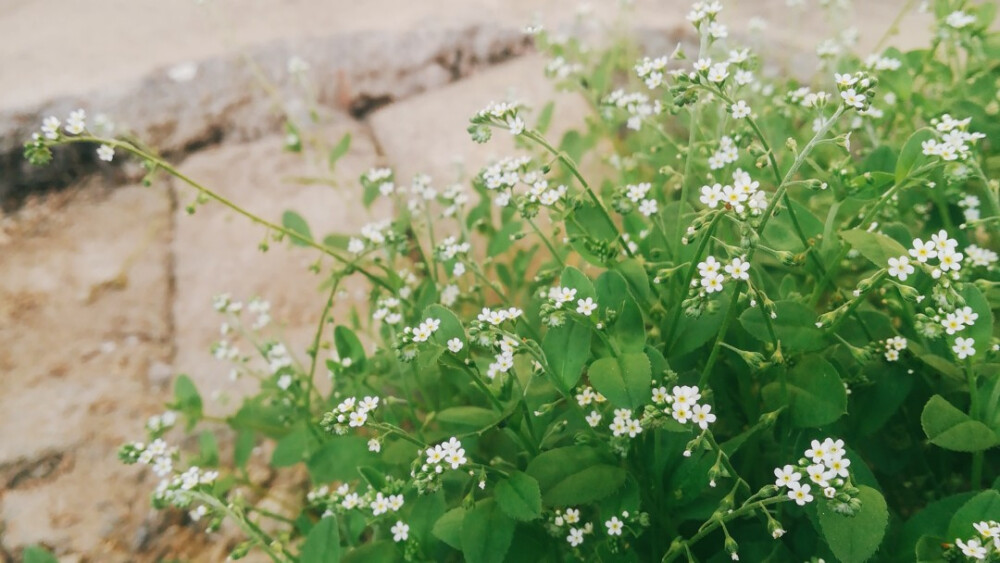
{"type": "Point", "coordinates": [959, 19]}
{"type": "Point", "coordinates": [786, 476]}
{"type": "Point", "coordinates": [76, 122]}
{"type": "Point", "coordinates": [740, 109]}
{"type": "Point", "coordinates": [952, 323]}
{"type": "Point", "coordinates": [702, 416]}
{"type": "Point", "coordinates": [712, 283]}
{"type": "Point", "coordinates": [963, 347]}
{"type": "Point", "coordinates": [515, 124]}
{"type": "Point", "coordinates": [844, 80]}
{"type": "Point", "coordinates": [572, 515]}
{"type": "Point", "coordinates": [950, 260]}
{"type": "Point", "coordinates": [800, 494]}
{"type": "Point", "coordinates": [719, 72]}
{"type": "Point", "coordinates": [586, 306]}
{"type": "Point", "coordinates": [380, 505]}
{"type": "Point", "coordinates": [817, 452]}
{"type": "Point", "coordinates": [575, 536]}
{"type": "Point", "coordinates": [593, 419]}
{"type": "Point", "coordinates": [50, 127]}
{"type": "Point", "coordinates": [614, 526]}
{"type": "Point", "coordinates": [455, 345]}
{"type": "Point", "coordinates": [648, 207]}
{"type": "Point", "coordinates": [943, 242]}
{"type": "Point", "coordinates": [374, 445]}
{"type": "Point", "coordinates": [900, 268]}
{"type": "Point", "coordinates": [358, 418]}
{"type": "Point", "coordinates": [105, 153]}
{"type": "Point", "coordinates": [853, 99]}
{"type": "Point", "coordinates": [972, 549]}
{"type": "Point", "coordinates": [738, 269]}
{"type": "Point", "coordinates": [711, 195]}
{"type": "Point", "coordinates": [400, 531]}
{"type": "Point", "coordinates": [922, 251]}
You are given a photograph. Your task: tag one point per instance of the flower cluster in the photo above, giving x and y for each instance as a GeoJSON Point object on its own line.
{"type": "Point", "coordinates": [825, 467]}
{"type": "Point", "coordinates": [682, 404]}
{"type": "Point", "coordinates": [710, 272]}
{"type": "Point", "coordinates": [160, 423]}
{"type": "Point", "coordinates": [158, 454]}
{"type": "Point", "coordinates": [985, 546]}
{"type": "Point", "coordinates": [953, 139]}
{"type": "Point", "coordinates": [506, 174]}
{"type": "Point", "coordinates": [373, 235]}
{"type": "Point", "coordinates": [856, 90]}
{"type": "Point", "coordinates": [893, 346]}
{"type": "Point", "coordinates": [652, 71]}
{"type": "Point", "coordinates": [634, 196]}
{"type": "Point", "coordinates": [623, 424]}
{"type": "Point", "coordinates": [504, 114]}
{"type": "Point", "coordinates": [350, 413]}
{"type": "Point", "coordinates": [379, 179]}
{"type": "Point", "coordinates": [388, 310]}
{"type": "Point", "coordinates": [174, 490]}
{"type": "Point", "coordinates": [940, 247]}
{"type": "Point", "coordinates": [636, 105]}
{"type": "Point", "coordinates": [570, 519]}
{"type": "Point", "coordinates": [744, 196]}
{"type": "Point", "coordinates": [587, 396]}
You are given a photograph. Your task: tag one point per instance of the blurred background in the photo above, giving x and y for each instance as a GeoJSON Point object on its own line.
{"type": "Point", "coordinates": [106, 285]}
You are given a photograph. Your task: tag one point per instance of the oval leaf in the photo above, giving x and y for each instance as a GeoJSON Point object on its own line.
{"type": "Point", "coordinates": [874, 246]}
{"type": "Point", "coordinates": [951, 429]}
{"type": "Point", "coordinates": [323, 543]}
{"type": "Point", "coordinates": [625, 380]}
{"type": "Point", "coordinates": [567, 348]}
{"type": "Point", "coordinates": [298, 225]}
{"type": "Point", "coordinates": [486, 533]}
{"type": "Point", "coordinates": [854, 539]}
{"type": "Point", "coordinates": [813, 391]}
{"type": "Point", "coordinates": [795, 326]}
{"type": "Point", "coordinates": [520, 497]}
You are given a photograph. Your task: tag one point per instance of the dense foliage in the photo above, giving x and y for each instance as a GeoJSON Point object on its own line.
{"type": "Point", "coordinates": [757, 322]}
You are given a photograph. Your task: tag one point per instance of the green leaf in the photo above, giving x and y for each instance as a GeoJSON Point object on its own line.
{"type": "Point", "coordinates": [291, 449]}
{"type": "Point", "coordinates": [912, 155]}
{"type": "Point", "coordinates": [519, 496]}
{"type": "Point", "coordinates": [587, 223]}
{"type": "Point", "coordinates": [545, 118]}
{"type": "Point", "coordinates": [874, 246]}
{"type": "Point", "coordinates": [951, 429]}
{"type": "Point", "coordinates": [349, 346]}
{"type": "Point", "coordinates": [573, 278]}
{"type": "Point", "coordinates": [574, 475]}
{"type": "Point", "coordinates": [382, 551]}
{"type": "Point", "coordinates": [448, 527]}
{"type": "Point", "coordinates": [450, 327]}
{"type": "Point", "coordinates": [322, 545]}
{"type": "Point", "coordinates": [467, 419]}
{"type": "Point", "coordinates": [567, 349]}
{"type": "Point", "coordinates": [982, 330]}
{"type": "Point", "coordinates": [854, 539]}
{"type": "Point", "coordinates": [624, 380]}
{"type": "Point", "coordinates": [637, 278]}
{"type": "Point", "coordinates": [209, 449]}
{"type": "Point", "coordinates": [795, 326]}
{"type": "Point", "coordinates": [486, 533]}
{"type": "Point", "coordinates": [298, 225]}
{"type": "Point", "coordinates": [339, 459]}
{"type": "Point", "coordinates": [339, 150]}
{"type": "Point", "coordinates": [928, 550]}
{"type": "Point", "coordinates": [502, 239]}
{"type": "Point", "coordinates": [187, 400]}
{"type": "Point", "coordinates": [984, 506]}
{"type": "Point", "coordinates": [813, 391]}
{"type": "Point", "coordinates": [628, 328]}
{"type": "Point", "coordinates": [38, 554]}
{"type": "Point", "coordinates": [243, 449]}
{"type": "Point", "coordinates": [426, 510]}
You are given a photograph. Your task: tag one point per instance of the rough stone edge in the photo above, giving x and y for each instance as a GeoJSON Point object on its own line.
{"type": "Point", "coordinates": [353, 72]}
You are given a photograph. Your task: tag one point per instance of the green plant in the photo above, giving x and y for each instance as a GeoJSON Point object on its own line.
{"type": "Point", "coordinates": [734, 339]}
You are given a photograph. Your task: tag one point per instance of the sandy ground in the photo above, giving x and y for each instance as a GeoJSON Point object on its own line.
{"type": "Point", "coordinates": [105, 288]}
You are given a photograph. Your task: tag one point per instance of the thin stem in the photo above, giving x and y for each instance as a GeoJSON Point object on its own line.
{"type": "Point", "coordinates": [714, 355]}
{"type": "Point", "coordinates": [717, 521]}
{"type": "Point", "coordinates": [575, 171]}
{"type": "Point", "coordinates": [548, 243]}
{"type": "Point", "coordinates": [166, 166]}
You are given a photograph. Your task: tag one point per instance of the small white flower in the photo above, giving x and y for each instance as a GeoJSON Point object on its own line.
{"type": "Point", "coordinates": [593, 419]}
{"type": "Point", "coordinates": [586, 306]}
{"type": "Point", "coordinates": [738, 269]}
{"type": "Point", "coordinates": [853, 99]}
{"type": "Point", "coordinates": [455, 345]}
{"type": "Point", "coordinates": [972, 549]}
{"type": "Point", "coordinates": [648, 207]}
{"type": "Point", "coordinates": [76, 122]}
{"type": "Point", "coordinates": [963, 348]}
{"type": "Point", "coordinates": [614, 526]}
{"type": "Point", "coordinates": [106, 153]}
{"type": "Point", "coordinates": [575, 536]}
{"type": "Point", "coordinates": [900, 268]}
{"type": "Point", "coordinates": [400, 531]}
{"type": "Point", "coordinates": [50, 127]}
{"type": "Point", "coordinates": [740, 109]}
{"type": "Point", "coordinates": [922, 251]}
{"type": "Point", "coordinates": [800, 494]}
{"type": "Point", "coordinates": [786, 476]}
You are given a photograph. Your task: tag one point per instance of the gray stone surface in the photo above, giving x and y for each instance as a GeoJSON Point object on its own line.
{"type": "Point", "coordinates": [216, 251]}
{"type": "Point", "coordinates": [84, 292]}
